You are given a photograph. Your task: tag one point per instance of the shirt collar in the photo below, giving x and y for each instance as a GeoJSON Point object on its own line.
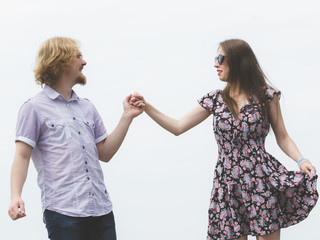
{"type": "Point", "coordinates": [52, 94]}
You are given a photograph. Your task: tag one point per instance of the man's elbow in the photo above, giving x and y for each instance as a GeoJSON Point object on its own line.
{"type": "Point", "coordinates": [105, 157]}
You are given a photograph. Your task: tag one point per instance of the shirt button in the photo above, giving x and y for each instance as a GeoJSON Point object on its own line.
{"type": "Point", "coordinates": [83, 147]}
{"type": "Point", "coordinates": [86, 162]}
{"type": "Point", "coordinates": [105, 191]}
{"type": "Point", "coordinates": [74, 118]}
{"type": "Point", "coordinates": [88, 178]}
{"type": "Point", "coordinates": [79, 132]}
{"type": "Point", "coordinates": [87, 170]}
{"type": "Point", "coordinates": [52, 125]}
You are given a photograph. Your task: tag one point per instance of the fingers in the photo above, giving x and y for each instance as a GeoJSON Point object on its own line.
{"type": "Point", "coordinates": [308, 168]}
{"type": "Point", "coordinates": [307, 171]}
{"type": "Point", "coordinates": [137, 95]}
{"type": "Point", "coordinates": [136, 100]}
{"type": "Point", "coordinates": [313, 169]}
{"type": "Point", "coordinates": [22, 208]}
{"type": "Point", "coordinates": [17, 210]}
{"type": "Point", "coordinates": [128, 97]}
{"type": "Point", "coordinates": [138, 103]}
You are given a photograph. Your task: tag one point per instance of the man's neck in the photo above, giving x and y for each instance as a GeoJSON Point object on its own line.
{"type": "Point", "coordinates": [64, 88]}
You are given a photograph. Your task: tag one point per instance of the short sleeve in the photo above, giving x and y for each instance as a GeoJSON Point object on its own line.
{"type": "Point", "coordinates": [208, 100]}
{"type": "Point", "coordinates": [28, 125]}
{"type": "Point", "coordinates": [100, 131]}
{"type": "Point", "coordinates": [271, 92]}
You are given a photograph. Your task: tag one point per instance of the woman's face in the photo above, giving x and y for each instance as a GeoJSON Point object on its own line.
{"type": "Point", "coordinates": [222, 66]}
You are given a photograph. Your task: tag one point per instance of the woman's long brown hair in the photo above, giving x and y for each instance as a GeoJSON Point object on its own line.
{"type": "Point", "coordinates": [244, 70]}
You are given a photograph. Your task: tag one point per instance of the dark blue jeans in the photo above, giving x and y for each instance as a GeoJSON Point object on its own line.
{"type": "Point", "coordinates": [62, 227]}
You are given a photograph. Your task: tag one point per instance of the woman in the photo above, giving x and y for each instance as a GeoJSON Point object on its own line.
{"type": "Point", "coordinates": [253, 193]}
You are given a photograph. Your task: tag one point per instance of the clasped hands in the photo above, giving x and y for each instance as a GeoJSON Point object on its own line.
{"type": "Point", "coordinates": [137, 100]}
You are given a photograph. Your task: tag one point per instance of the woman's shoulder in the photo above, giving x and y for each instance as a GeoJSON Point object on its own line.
{"type": "Point", "coordinates": [270, 92]}
{"type": "Point", "coordinates": [215, 92]}
{"type": "Point", "coordinates": [208, 101]}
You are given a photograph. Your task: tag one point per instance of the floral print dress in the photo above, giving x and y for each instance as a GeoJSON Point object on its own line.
{"type": "Point", "coordinates": [253, 193]}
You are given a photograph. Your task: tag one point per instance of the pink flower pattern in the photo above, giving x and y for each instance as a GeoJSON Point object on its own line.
{"type": "Point", "coordinates": [253, 193]}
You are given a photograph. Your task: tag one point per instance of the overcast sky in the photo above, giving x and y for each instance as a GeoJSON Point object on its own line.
{"type": "Point", "coordinates": [160, 184]}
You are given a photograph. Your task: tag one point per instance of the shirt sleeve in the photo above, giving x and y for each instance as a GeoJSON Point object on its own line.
{"type": "Point", "coordinates": [100, 131]}
{"type": "Point", "coordinates": [271, 92]}
{"type": "Point", "coordinates": [208, 101]}
{"type": "Point", "coordinates": [28, 125]}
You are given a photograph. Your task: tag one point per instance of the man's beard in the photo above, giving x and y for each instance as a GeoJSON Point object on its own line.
{"type": "Point", "coordinates": [82, 80]}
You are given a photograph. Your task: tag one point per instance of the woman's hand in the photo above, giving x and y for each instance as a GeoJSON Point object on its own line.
{"type": "Point", "coordinates": [137, 100]}
{"type": "Point", "coordinates": [307, 168]}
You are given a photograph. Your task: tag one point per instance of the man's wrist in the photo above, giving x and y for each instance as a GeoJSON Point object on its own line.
{"type": "Point", "coordinates": [127, 116]}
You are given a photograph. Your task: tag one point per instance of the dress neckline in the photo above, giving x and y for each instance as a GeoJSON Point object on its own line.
{"type": "Point", "coordinates": [241, 108]}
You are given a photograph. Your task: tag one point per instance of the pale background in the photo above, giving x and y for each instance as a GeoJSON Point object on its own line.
{"type": "Point", "coordinates": [160, 184]}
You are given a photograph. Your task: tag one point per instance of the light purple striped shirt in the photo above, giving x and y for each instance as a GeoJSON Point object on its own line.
{"type": "Point", "coordinates": [64, 135]}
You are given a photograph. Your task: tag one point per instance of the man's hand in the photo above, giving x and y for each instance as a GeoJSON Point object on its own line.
{"type": "Point", "coordinates": [19, 173]}
{"type": "Point", "coordinates": [17, 209]}
{"type": "Point", "coordinates": [137, 100]}
{"type": "Point", "coordinates": [130, 109]}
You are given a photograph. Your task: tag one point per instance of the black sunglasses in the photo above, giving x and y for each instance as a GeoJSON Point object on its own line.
{"type": "Point", "coordinates": [220, 59]}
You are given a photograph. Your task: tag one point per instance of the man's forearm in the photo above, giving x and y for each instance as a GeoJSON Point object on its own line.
{"type": "Point", "coordinates": [19, 169]}
{"type": "Point", "coordinates": [19, 173]}
{"type": "Point", "coordinates": [113, 142]}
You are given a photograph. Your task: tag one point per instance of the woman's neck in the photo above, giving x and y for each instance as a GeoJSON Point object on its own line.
{"type": "Point", "coordinates": [235, 91]}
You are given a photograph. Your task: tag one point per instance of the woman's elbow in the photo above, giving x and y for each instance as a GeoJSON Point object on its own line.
{"type": "Point", "coordinates": [178, 131]}
{"type": "Point", "coordinates": [283, 140]}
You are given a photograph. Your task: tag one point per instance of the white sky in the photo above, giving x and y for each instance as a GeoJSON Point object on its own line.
{"type": "Point", "coordinates": [160, 184]}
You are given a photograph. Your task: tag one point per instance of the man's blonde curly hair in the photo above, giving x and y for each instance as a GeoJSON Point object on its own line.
{"type": "Point", "coordinates": [53, 56]}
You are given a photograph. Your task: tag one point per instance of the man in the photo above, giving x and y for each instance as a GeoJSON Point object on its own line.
{"type": "Point", "coordinates": [65, 137]}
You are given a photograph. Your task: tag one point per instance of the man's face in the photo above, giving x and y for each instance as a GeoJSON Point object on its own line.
{"type": "Point", "coordinates": [75, 69]}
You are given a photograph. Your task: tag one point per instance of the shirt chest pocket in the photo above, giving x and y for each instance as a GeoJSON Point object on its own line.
{"type": "Point", "coordinates": [58, 131]}
{"type": "Point", "coordinates": [89, 126]}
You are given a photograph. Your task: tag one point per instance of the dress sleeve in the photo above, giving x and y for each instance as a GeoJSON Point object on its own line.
{"type": "Point", "coordinates": [271, 92]}
{"type": "Point", "coordinates": [208, 101]}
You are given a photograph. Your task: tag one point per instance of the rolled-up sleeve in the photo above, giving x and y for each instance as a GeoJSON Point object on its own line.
{"type": "Point", "coordinates": [100, 132]}
{"type": "Point", "coordinates": [28, 125]}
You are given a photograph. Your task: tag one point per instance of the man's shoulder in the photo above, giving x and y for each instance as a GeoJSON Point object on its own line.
{"type": "Point", "coordinates": [87, 106]}
{"type": "Point", "coordinates": [85, 99]}
{"type": "Point", "coordinates": [86, 102]}
{"type": "Point", "coordinates": [35, 100]}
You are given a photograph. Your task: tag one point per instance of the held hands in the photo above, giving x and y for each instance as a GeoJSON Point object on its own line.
{"type": "Point", "coordinates": [132, 108]}
{"type": "Point", "coordinates": [137, 100]}
{"type": "Point", "coordinates": [17, 209]}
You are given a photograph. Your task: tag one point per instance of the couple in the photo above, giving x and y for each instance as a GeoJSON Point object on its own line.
{"type": "Point", "coordinates": [253, 193]}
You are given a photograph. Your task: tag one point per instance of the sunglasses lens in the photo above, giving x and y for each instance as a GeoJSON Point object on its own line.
{"type": "Point", "coordinates": [220, 59]}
